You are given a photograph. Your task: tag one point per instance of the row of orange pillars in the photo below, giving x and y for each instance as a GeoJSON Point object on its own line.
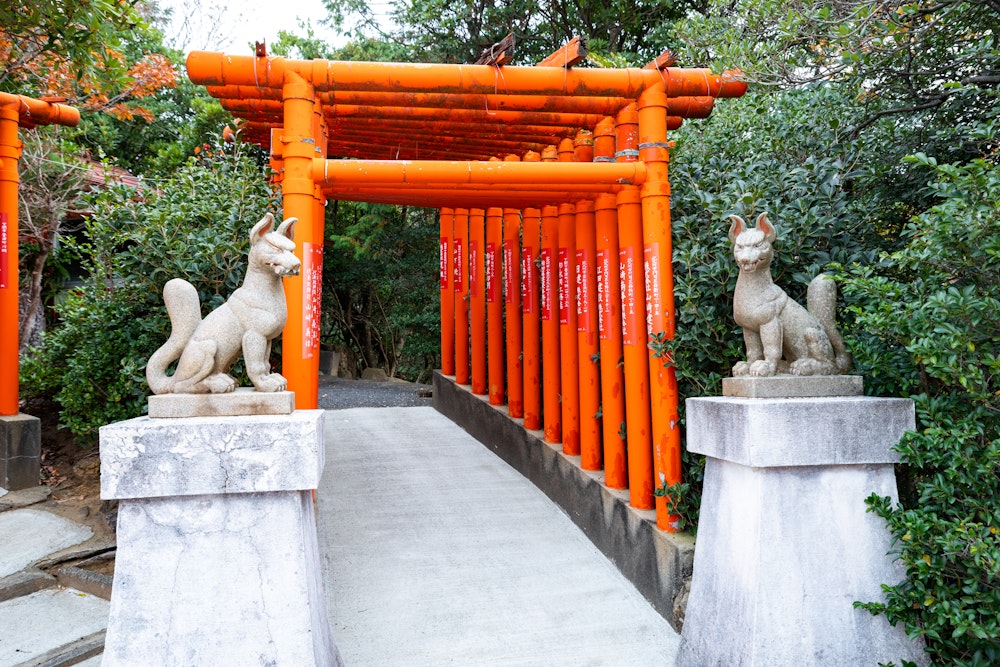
{"type": "Point", "coordinates": [16, 111]}
{"type": "Point", "coordinates": [555, 261]}
{"type": "Point", "coordinates": [551, 310]}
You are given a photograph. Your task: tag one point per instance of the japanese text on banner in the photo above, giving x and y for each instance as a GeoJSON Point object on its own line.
{"type": "Point", "coordinates": [312, 298]}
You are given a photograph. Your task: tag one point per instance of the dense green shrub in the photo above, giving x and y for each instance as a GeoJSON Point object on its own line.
{"type": "Point", "coordinates": [193, 225]}
{"type": "Point", "coordinates": [780, 153]}
{"type": "Point", "coordinates": [932, 312]}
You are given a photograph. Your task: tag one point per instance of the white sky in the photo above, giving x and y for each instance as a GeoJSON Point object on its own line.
{"type": "Point", "coordinates": [230, 25]}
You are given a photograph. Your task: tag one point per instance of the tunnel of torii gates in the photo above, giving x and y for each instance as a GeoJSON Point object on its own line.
{"type": "Point", "coordinates": [555, 249]}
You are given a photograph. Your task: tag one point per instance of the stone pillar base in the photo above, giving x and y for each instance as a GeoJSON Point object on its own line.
{"type": "Point", "coordinates": [785, 545]}
{"type": "Point", "coordinates": [20, 452]}
{"type": "Point", "coordinates": [218, 562]}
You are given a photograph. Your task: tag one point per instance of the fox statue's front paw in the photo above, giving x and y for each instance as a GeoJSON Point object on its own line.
{"type": "Point", "coordinates": [740, 369]}
{"type": "Point", "coordinates": [271, 383]}
{"type": "Point", "coordinates": [762, 368]}
{"type": "Point", "coordinates": [220, 383]}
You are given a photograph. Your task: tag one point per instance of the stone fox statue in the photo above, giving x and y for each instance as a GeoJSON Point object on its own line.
{"type": "Point", "coordinates": [780, 335]}
{"type": "Point", "coordinates": [253, 316]}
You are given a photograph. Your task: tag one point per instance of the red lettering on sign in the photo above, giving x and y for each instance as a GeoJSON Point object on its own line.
{"type": "Point", "coordinates": [443, 262]}
{"type": "Point", "coordinates": [528, 295]}
{"type": "Point", "coordinates": [474, 276]}
{"type": "Point", "coordinates": [565, 275]}
{"type": "Point", "coordinates": [603, 293]}
{"type": "Point", "coordinates": [651, 270]}
{"type": "Point", "coordinates": [491, 267]}
{"type": "Point", "coordinates": [4, 250]}
{"type": "Point", "coordinates": [509, 269]}
{"type": "Point", "coordinates": [312, 300]}
{"type": "Point", "coordinates": [626, 260]}
{"type": "Point", "coordinates": [546, 277]}
{"type": "Point", "coordinates": [583, 261]}
{"type": "Point", "coordinates": [458, 265]}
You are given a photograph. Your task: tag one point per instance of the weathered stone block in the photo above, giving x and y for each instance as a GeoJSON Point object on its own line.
{"type": "Point", "coordinates": [20, 451]}
{"type": "Point", "coordinates": [798, 431]}
{"type": "Point", "coordinates": [148, 458]}
{"type": "Point", "coordinates": [217, 561]}
{"type": "Point", "coordinates": [244, 402]}
{"type": "Point", "coordinates": [785, 543]}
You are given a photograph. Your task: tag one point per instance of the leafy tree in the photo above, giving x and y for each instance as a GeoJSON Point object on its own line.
{"type": "Point", "coordinates": [439, 31]}
{"type": "Point", "coordinates": [51, 187]}
{"type": "Point", "coordinates": [913, 58]}
{"type": "Point", "coordinates": [194, 225]}
{"type": "Point", "coordinates": [80, 52]}
{"type": "Point", "coordinates": [379, 273]}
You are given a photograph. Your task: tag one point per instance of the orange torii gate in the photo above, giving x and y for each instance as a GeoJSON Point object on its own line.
{"type": "Point", "coordinates": [16, 111]}
{"type": "Point", "coordinates": [554, 204]}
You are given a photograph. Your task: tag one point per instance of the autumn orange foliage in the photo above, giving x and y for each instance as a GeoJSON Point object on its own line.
{"type": "Point", "coordinates": [48, 74]}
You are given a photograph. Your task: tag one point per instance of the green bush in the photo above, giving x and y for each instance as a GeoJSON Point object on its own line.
{"type": "Point", "coordinates": [932, 312]}
{"type": "Point", "coordinates": [194, 225]}
{"type": "Point", "coordinates": [777, 153]}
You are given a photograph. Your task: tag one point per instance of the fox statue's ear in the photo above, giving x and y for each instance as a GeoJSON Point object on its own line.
{"type": "Point", "coordinates": [764, 225]}
{"type": "Point", "coordinates": [265, 225]}
{"type": "Point", "coordinates": [287, 228]}
{"type": "Point", "coordinates": [737, 227]}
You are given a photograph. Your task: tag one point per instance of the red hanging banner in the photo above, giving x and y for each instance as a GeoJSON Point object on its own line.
{"type": "Point", "coordinates": [565, 275]}
{"type": "Point", "coordinates": [474, 276]}
{"type": "Point", "coordinates": [528, 296]}
{"type": "Point", "coordinates": [458, 265]}
{"type": "Point", "coordinates": [4, 250]}
{"type": "Point", "coordinates": [546, 257]}
{"type": "Point", "coordinates": [583, 261]}
{"type": "Point", "coordinates": [443, 262]}
{"type": "Point", "coordinates": [312, 300]}
{"type": "Point", "coordinates": [491, 267]}
{"type": "Point", "coordinates": [651, 270]}
{"type": "Point", "coordinates": [626, 258]}
{"type": "Point", "coordinates": [510, 289]}
{"type": "Point", "coordinates": [603, 295]}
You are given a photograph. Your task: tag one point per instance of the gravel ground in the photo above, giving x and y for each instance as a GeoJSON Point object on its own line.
{"type": "Point", "coordinates": [342, 393]}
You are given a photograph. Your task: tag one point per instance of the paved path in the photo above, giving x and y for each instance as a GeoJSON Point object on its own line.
{"type": "Point", "coordinates": [435, 552]}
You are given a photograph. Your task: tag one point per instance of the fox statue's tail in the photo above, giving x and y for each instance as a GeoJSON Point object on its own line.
{"type": "Point", "coordinates": [184, 308]}
{"type": "Point", "coordinates": [821, 299]}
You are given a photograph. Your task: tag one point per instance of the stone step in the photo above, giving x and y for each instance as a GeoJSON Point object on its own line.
{"type": "Point", "coordinates": [52, 627]}
{"type": "Point", "coordinates": [30, 535]}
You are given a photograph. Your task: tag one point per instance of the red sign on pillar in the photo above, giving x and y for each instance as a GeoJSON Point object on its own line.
{"type": "Point", "coordinates": [4, 250]}
{"type": "Point", "coordinates": [458, 265]}
{"type": "Point", "coordinates": [583, 260]}
{"type": "Point", "coordinates": [565, 275]}
{"type": "Point", "coordinates": [443, 262]}
{"type": "Point", "coordinates": [528, 296]}
{"type": "Point", "coordinates": [654, 301]}
{"type": "Point", "coordinates": [510, 289]}
{"type": "Point", "coordinates": [629, 316]}
{"type": "Point", "coordinates": [546, 256]}
{"type": "Point", "coordinates": [491, 267]}
{"type": "Point", "coordinates": [312, 298]}
{"type": "Point", "coordinates": [603, 296]}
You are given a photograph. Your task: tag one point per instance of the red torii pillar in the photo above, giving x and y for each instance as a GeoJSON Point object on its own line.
{"type": "Point", "coordinates": [18, 467]}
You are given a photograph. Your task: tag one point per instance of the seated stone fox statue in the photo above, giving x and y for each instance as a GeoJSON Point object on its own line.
{"type": "Point", "coordinates": [252, 317]}
{"type": "Point", "coordinates": [781, 336]}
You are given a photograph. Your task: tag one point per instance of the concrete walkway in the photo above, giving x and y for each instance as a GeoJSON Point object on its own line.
{"type": "Point", "coordinates": [435, 552]}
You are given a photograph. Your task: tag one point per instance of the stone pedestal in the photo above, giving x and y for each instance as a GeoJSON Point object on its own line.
{"type": "Point", "coordinates": [20, 451]}
{"type": "Point", "coordinates": [218, 562]}
{"type": "Point", "coordinates": [785, 545]}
